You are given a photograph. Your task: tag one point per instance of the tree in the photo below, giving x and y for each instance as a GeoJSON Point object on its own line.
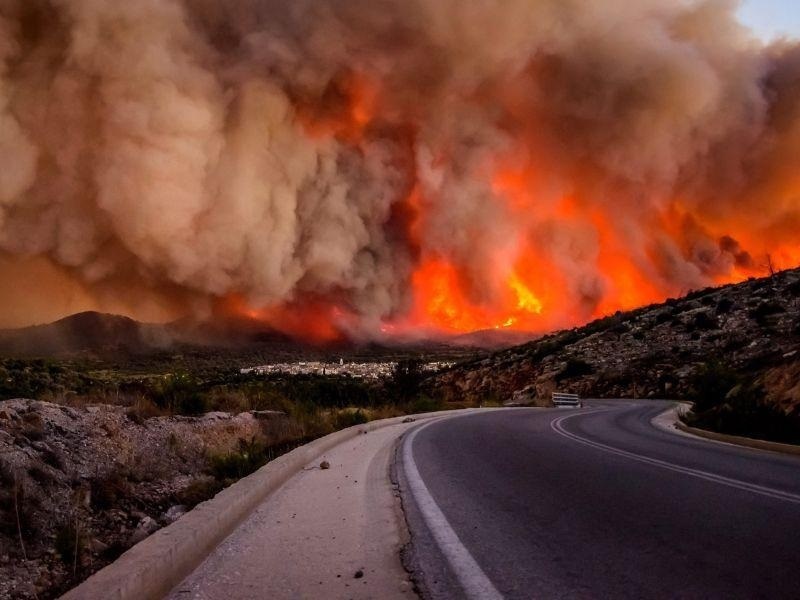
{"type": "Point", "coordinates": [407, 378]}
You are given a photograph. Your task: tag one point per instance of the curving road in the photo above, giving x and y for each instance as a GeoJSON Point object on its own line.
{"type": "Point", "coordinates": [595, 503]}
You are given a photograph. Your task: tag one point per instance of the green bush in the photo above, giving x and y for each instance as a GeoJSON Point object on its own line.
{"type": "Point", "coordinates": [250, 457]}
{"type": "Point", "coordinates": [179, 393]}
{"type": "Point", "coordinates": [347, 418]}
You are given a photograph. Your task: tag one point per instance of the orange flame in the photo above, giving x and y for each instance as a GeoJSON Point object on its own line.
{"type": "Point", "coordinates": [314, 320]}
{"type": "Point", "coordinates": [529, 289]}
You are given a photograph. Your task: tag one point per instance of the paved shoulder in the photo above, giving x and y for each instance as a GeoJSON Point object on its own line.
{"type": "Point", "coordinates": [334, 533]}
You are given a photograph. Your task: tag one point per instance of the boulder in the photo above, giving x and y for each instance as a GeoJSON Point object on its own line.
{"type": "Point", "coordinates": [173, 514]}
{"type": "Point", "coordinates": [146, 527]}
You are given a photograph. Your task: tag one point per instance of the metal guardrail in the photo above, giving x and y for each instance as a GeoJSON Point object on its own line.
{"type": "Point", "coordinates": [561, 399]}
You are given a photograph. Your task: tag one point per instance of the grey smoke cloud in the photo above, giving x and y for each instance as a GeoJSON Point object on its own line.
{"type": "Point", "coordinates": [208, 148]}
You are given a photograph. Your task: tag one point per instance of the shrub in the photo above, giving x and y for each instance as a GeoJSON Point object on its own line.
{"type": "Point", "coordinates": [665, 317]}
{"type": "Point", "coordinates": [199, 491]}
{"type": "Point", "coordinates": [107, 490]}
{"type": "Point", "coordinates": [620, 328]}
{"type": "Point", "coordinates": [19, 506]}
{"type": "Point", "coordinates": [33, 426]}
{"type": "Point", "coordinates": [424, 404]}
{"type": "Point", "coordinates": [575, 367]}
{"type": "Point", "coordinates": [406, 379]}
{"type": "Point", "coordinates": [142, 409]}
{"type": "Point", "coordinates": [745, 412]}
{"type": "Point", "coordinates": [250, 456]}
{"type": "Point", "coordinates": [179, 393]}
{"type": "Point", "coordinates": [347, 418]}
{"type": "Point", "coordinates": [705, 321]}
{"type": "Point", "coordinates": [696, 294]}
{"type": "Point", "coordinates": [710, 385]}
{"type": "Point", "coordinates": [766, 309]}
{"type": "Point", "coordinates": [724, 306]}
{"type": "Point", "coordinates": [70, 543]}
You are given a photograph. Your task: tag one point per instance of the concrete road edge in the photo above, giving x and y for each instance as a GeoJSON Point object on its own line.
{"type": "Point", "coordinates": [673, 414]}
{"type": "Point", "coordinates": [153, 567]}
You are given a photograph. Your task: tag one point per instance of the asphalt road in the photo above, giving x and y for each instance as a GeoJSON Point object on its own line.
{"type": "Point", "coordinates": [595, 503]}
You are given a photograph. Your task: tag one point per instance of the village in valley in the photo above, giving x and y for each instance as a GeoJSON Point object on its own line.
{"type": "Point", "coordinates": [358, 370]}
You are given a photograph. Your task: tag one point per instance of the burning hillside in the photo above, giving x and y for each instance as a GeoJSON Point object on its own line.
{"type": "Point", "coordinates": [392, 167]}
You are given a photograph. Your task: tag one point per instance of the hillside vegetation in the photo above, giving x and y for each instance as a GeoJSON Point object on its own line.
{"type": "Point", "coordinates": [735, 349]}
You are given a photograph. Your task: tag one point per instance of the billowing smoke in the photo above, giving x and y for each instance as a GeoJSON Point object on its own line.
{"type": "Point", "coordinates": [392, 163]}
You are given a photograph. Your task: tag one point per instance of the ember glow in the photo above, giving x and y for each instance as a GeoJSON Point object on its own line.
{"type": "Point", "coordinates": [394, 167]}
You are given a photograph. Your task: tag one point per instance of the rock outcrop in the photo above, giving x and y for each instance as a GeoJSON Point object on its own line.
{"type": "Point", "coordinates": [78, 486]}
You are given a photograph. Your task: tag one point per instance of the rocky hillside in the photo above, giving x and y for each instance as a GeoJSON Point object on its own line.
{"type": "Point", "coordinates": [79, 486]}
{"type": "Point", "coordinates": [653, 352]}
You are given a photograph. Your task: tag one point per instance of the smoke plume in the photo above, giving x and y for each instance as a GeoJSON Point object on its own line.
{"type": "Point", "coordinates": [380, 165]}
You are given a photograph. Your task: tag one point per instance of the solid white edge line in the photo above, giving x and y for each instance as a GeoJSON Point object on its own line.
{"type": "Point", "coordinates": [474, 582]}
{"type": "Point", "coordinates": [556, 425]}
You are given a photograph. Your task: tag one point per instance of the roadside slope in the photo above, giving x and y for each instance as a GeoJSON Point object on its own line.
{"type": "Point", "coordinates": [655, 351]}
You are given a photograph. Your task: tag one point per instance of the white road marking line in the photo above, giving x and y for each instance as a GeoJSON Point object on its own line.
{"type": "Point", "coordinates": [474, 582]}
{"type": "Point", "coordinates": [556, 425]}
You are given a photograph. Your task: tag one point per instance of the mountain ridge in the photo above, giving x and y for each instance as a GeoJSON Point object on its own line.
{"type": "Point", "coordinates": [753, 327]}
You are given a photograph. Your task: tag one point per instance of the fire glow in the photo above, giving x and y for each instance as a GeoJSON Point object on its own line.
{"type": "Point", "coordinates": [396, 167]}
{"type": "Point", "coordinates": [526, 291]}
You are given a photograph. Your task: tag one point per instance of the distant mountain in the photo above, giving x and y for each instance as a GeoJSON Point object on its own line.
{"type": "Point", "coordinates": [104, 334]}
{"type": "Point", "coordinates": [86, 331]}
{"type": "Point", "coordinates": [655, 351]}
{"type": "Point", "coordinates": [108, 335]}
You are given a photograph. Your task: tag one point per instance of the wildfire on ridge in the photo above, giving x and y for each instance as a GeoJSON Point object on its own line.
{"type": "Point", "coordinates": [527, 290]}
{"type": "Point", "coordinates": [377, 169]}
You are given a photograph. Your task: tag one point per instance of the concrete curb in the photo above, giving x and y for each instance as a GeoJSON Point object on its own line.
{"type": "Point", "coordinates": [153, 567]}
{"type": "Point", "coordinates": [739, 441]}
{"type": "Point", "coordinates": [674, 415]}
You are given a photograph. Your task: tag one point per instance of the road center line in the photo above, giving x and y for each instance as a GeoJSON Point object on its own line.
{"type": "Point", "coordinates": [474, 582]}
{"type": "Point", "coordinates": [557, 426]}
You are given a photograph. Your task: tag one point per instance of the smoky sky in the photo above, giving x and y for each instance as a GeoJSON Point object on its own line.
{"type": "Point", "coordinates": [268, 149]}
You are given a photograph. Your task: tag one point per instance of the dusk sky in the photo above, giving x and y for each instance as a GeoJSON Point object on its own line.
{"type": "Point", "coordinates": [772, 18]}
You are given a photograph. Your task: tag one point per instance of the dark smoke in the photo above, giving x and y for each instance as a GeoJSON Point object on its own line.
{"type": "Point", "coordinates": [196, 149]}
